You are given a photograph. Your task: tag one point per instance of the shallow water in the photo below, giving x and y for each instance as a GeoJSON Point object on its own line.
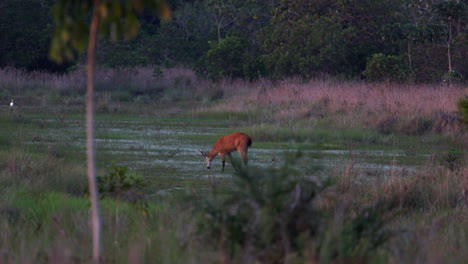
{"type": "Point", "coordinates": [169, 149]}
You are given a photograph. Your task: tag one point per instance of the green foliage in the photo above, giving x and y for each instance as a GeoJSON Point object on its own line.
{"type": "Point", "coordinates": [295, 37]}
{"type": "Point", "coordinates": [451, 159]}
{"type": "Point", "coordinates": [129, 53]}
{"type": "Point", "coordinates": [26, 32]}
{"type": "Point", "coordinates": [230, 58]}
{"type": "Point", "coordinates": [359, 238]}
{"type": "Point", "coordinates": [462, 105]}
{"type": "Point", "coordinates": [452, 76]}
{"type": "Point", "coordinates": [303, 45]}
{"type": "Point", "coordinates": [273, 214]}
{"type": "Point", "coordinates": [267, 209]}
{"type": "Point", "coordinates": [450, 11]}
{"type": "Point", "coordinates": [120, 184]}
{"type": "Point", "coordinates": [385, 68]}
{"type": "Point", "coordinates": [117, 19]}
{"type": "Point", "coordinates": [308, 38]}
{"type": "Point", "coordinates": [224, 58]}
{"type": "Point", "coordinates": [180, 41]}
{"type": "Point", "coordinates": [397, 31]}
{"type": "Point", "coordinates": [183, 39]}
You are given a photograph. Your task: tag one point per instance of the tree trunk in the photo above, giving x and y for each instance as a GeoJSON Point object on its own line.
{"type": "Point", "coordinates": [410, 61]}
{"type": "Point", "coordinates": [219, 31]}
{"type": "Point", "coordinates": [90, 148]}
{"type": "Point", "coordinates": [449, 42]}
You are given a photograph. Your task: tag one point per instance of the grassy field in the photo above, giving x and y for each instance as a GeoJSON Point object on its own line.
{"type": "Point", "coordinates": [339, 172]}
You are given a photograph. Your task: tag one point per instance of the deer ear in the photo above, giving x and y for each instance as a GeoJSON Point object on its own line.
{"type": "Point", "coordinates": [202, 154]}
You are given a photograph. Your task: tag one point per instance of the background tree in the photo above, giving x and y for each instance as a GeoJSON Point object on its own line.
{"type": "Point", "coordinates": [224, 14]}
{"type": "Point", "coordinates": [361, 22]}
{"type": "Point", "coordinates": [230, 58]}
{"type": "Point", "coordinates": [385, 68]}
{"type": "Point", "coordinates": [404, 35]}
{"type": "Point", "coordinates": [292, 37]}
{"type": "Point", "coordinates": [75, 31]}
{"type": "Point", "coordinates": [450, 15]}
{"type": "Point", "coordinates": [184, 39]}
{"type": "Point", "coordinates": [26, 30]}
{"type": "Point", "coordinates": [302, 40]}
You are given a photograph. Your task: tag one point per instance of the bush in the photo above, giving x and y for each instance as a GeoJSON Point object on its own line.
{"type": "Point", "coordinates": [463, 108]}
{"type": "Point", "coordinates": [451, 159]}
{"type": "Point", "coordinates": [416, 126]}
{"type": "Point", "coordinates": [272, 216]}
{"type": "Point", "coordinates": [452, 76]}
{"type": "Point", "coordinates": [358, 239]}
{"type": "Point", "coordinates": [385, 68]}
{"type": "Point", "coordinates": [225, 58]}
{"type": "Point", "coordinates": [120, 184]}
{"type": "Point", "coordinates": [266, 210]}
{"type": "Point", "coordinates": [230, 58]}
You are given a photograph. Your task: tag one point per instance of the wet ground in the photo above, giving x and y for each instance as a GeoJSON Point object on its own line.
{"type": "Point", "coordinates": [170, 149]}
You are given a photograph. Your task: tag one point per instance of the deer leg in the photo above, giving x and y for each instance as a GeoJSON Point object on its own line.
{"type": "Point", "coordinates": [243, 154]}
{"type": "Point", "coordinates": [223, 158]}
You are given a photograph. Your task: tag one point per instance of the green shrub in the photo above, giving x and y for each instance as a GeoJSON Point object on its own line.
{"type": "Point", "coordinates": [388, 125]}
{"type": "Point", "coordinates": [451, 159]}
{"type": "Point", "coordinates": [252, 66]}
{"type": "Point", "coordinates": [120, 184]}
{"type": "Point", "coordinates": [452, 76]}
{"type": "Point", "coordinates": [230, 58]}
{"type": "Point", "coordinates": [463, 108]}
{"type": "Point", "coordinates": [416, 126]}
{"type": "Point", "coordinates": [266, 209]}
{"type": "Point", "coordinates": [121, 96]}
{"type": "Point", "coordinates": [360, 238]}
{"type": "Point", "coordinates": [274, 216]}
{"type": "Point", "coordinates": [225, 58]}
{"type": "Point", "coordinates": [385, 68]}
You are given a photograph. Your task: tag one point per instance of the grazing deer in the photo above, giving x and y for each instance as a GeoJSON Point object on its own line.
{"type": "Point", "coordinates": [227, 144]}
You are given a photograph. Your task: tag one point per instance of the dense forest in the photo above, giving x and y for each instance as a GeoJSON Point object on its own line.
{"type": "Point", "coordinates": [396, 40]}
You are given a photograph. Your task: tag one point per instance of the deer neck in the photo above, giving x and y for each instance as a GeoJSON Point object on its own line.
{"type": "Point", "coordinates": [213, 153]}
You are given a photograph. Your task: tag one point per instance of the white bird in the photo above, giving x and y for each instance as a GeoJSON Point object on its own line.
{"type": "Point", "coordinates": [11, 103]}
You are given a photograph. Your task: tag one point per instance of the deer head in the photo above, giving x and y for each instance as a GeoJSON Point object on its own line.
{"type": "Point", "coordinates": [208, 160]}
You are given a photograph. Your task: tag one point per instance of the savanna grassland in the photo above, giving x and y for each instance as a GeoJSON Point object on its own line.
{"type": "Point", "coordinates": [339, 172]}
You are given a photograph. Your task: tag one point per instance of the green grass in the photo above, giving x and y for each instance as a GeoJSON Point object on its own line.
{"type": "Point", "coordinates": [43, 173]}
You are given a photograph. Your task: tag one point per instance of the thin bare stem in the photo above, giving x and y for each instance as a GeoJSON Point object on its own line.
{"type": "Point", "coordinates": [91, 160]}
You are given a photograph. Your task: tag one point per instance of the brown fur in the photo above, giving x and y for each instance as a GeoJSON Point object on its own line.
{"type": "Point", "coordinates": [230, 143]}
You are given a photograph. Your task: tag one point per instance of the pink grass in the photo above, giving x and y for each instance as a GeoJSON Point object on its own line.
{"type": "Point", "coordinates": [287, 98]}
{"type": "Point", "coordinates": [347, 96]}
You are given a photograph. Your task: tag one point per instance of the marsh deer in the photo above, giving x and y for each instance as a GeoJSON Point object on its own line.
{"type": "Point", "coordinates": [227, 144]}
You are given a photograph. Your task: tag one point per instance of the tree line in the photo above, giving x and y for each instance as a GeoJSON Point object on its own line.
{"type": "Point", "coordinates": [388, 40]}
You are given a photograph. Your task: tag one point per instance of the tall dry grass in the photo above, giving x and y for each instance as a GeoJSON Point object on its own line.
{"type": "Point", "coordinates": [18, 81]}
{"type": "Point", "coordinates": [391, 98]}
{"type": "Point", "coordinates": [431, 205]}
{"type": "Point", "coordinates": [387, 107]}
{"type": "Point", "coordinates": [377, 98]}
